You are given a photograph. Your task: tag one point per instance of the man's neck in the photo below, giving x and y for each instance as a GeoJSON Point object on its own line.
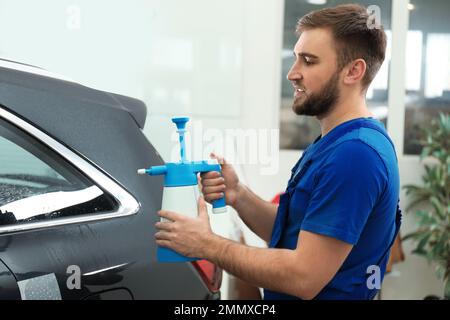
{"type": "Point", "coordinates": [342, 112]}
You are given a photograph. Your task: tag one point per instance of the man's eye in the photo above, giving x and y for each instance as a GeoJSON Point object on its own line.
{"type": "Point", "coordinates": [307, 61]}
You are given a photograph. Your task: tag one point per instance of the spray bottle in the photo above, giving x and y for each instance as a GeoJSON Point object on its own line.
{"type": "Point", "coordinates": [181, 190]}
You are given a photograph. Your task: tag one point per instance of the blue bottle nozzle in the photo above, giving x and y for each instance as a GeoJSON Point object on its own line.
{"type": "Point", "coordinates": [153, 171]}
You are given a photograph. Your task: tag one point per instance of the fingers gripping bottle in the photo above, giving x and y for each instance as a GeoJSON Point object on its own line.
{"type": "Point", "coordinates": [181, 188]}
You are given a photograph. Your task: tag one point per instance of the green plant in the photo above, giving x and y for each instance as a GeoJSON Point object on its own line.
{"type": "Point", "coordinates": [433, 233]}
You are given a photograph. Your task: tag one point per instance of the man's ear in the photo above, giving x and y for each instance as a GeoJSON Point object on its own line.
{"type": "Point", "coordinates": [355, 71]}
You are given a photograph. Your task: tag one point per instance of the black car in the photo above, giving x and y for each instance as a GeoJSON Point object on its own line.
{"type": "Point", "coordinates": [76, 221]}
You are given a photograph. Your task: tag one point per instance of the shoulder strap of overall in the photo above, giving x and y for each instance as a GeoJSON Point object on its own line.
{"type": "Point", "coordinates": [308, 159]}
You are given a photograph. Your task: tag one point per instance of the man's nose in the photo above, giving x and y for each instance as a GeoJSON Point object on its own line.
{"type": "Point", "coordinates": [294, 73]}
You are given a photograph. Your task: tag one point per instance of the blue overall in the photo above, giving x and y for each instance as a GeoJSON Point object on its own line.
{"type": "Point", "coordinates": [345, 186]}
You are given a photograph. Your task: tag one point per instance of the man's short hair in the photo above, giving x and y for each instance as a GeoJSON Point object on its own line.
{"type": "Point", "coordinates": [353, 37]}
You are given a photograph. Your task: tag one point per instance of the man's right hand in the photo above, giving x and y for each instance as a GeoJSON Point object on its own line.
{"type": "Point", "coordinates": [257, 214]}
{"type": "Point", "coordinates": [214, 184]}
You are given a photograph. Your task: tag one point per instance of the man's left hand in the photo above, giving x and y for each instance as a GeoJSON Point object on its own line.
{"type": "Point", "coordinates": [186, 235]}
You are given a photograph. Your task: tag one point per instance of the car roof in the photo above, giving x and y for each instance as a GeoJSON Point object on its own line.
{"type": "Point", "coordinates": [33, 77]}
{"type": "Point", "coordinates": [6, 63]}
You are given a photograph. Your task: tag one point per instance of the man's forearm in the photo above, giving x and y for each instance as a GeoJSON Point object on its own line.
{"type": "Point", "coordinates": [274, 269]}
{"type": "Point", "coordinates": [258, 215]}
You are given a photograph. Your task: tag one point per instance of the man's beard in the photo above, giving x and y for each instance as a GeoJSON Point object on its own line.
{"type": "Point", "coordinates": [320, 103]}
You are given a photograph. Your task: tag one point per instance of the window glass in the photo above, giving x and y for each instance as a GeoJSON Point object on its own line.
{"type": "Point", "coordinates": [427, 68]}
{"type": "Point", "coordinates": [297, 132]}
{"type": "Point", "coordinates": [37, 184]}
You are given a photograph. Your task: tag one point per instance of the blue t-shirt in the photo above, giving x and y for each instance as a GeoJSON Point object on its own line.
{"type": "Point", "coordinates": [349, 192]}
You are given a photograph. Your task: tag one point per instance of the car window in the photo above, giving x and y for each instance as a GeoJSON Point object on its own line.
{"type": "Point", "coordinates": [37, 184]}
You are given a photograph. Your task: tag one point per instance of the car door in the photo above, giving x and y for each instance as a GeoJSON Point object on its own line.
{"type": "Point", "coordinates": [59, 229]}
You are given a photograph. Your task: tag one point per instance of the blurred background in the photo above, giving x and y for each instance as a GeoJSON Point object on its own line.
{"type": "Point", "coordinates": [224, 64]}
